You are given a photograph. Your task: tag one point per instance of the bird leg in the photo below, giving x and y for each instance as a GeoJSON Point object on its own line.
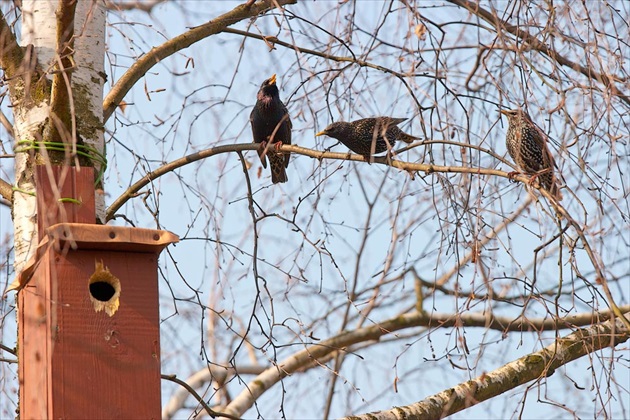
{"type": "Point", "coordinates": [535, 176]}
{"type": "Point", "coordinates": [263, 147]}
{"type": "Point", "coordinates": [532, 179]}
{"type": "Point", "coordinates": [389, 156]}
{"type": "Point", "coordinates": [512, 174]}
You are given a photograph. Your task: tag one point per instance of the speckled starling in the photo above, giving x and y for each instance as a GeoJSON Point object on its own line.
{"type": "Point", "coordinates": [271, 125]}
{"type": "Point", "coordinates": [527, 144]}
{"type": "Point", "coordinates": [368, 136]}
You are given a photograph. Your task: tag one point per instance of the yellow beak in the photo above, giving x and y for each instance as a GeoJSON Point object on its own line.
{"type": "Point", "coordinates": [504, 112]}
{"type": "Point", "coordinates": [272, 80]}
{"type": "Point", "coordinates": [321, 133]}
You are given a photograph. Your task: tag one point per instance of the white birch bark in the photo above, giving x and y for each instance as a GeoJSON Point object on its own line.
{"type": "Point", "coordinates": [39, 28]}
{"type": "Point", "coordinates": [87, 83]}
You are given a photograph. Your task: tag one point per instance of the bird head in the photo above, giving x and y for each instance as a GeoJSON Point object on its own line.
{"type": "Point", "coordinates": [268, 88]}
{"type": "Point", "coordinates": [334, 130]}
{"type": "Point", "coordinates": [509, 112]}
{"type": "Point", "coordinates": [514, 113]}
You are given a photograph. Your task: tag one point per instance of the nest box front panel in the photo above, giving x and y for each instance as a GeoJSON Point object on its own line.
{"type": "Point", "coordinates": [106, 327]}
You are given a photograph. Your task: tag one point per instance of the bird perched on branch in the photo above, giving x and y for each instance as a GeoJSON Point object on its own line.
{"type": "Point", "coordinates": [271, 127]}
{"type": "Point", "coordinates": [368, 136]}
{"type": "Point", "coordinates": [527, 144]}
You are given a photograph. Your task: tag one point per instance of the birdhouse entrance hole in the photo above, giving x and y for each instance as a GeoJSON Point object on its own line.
{"type": "Point", "coordinates": [104, 288]}
{"type": "Point", "coordinates": [102, 291]}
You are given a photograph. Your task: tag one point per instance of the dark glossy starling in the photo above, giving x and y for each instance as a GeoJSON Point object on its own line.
{"type": "Point", "coordinates": [368, 136]}
{"type": "Point", "coordinates": [271, 124]}
{"type": "Point", "coordinates": [527, 144]}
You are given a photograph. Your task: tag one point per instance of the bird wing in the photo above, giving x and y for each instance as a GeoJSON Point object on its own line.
{"type": "Point", "coordinates": [288, 127]}
{"type": "Point", "coordinates": [259, 135]}
{"type": "Point", "coordinates": [542, 141]}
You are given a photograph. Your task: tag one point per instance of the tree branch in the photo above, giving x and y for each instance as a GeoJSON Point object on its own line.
{"type": "Point", "coordinates": [61, 91]}
{"type": "Point", "coordinates": [11, 54]}
{"type": "Point", "coordinates": [209, 373]}
{"type": "Point", "coordinates": [331, 57]}
{"type": "Point", "coordinates": [406, 166]}
{"type": "Point", "coordinates": [143, 5]}
{"type": "Point", "coordinates": [185, 40]}
{"type": "Point", "coordinates": [528, 368]}
{"type": "Point", "coordinates": [6, 124]}
{"type": "Point", "coordinates": [191, 391]}
{"type": "Point", "coordinates": [6, 190]}
{"type": "Point", "coordinates": [534, 43]}
{"type": "Point", "coordinates": [599, 333]}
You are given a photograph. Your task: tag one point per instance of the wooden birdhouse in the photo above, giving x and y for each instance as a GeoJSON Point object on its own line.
{"type": "Point", "coordinates": [89, 325]}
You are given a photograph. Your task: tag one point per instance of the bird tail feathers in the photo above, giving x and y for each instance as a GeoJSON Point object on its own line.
{"type": "Point", "coordinates": [555, 190]}
{"type": "Point", "coordinates": [408, 138]}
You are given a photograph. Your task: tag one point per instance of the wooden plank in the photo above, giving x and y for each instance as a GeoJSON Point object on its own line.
{"type": "Point", "coordinates": [102, 366]}
{"type": "Point", "coordinates": [65, 236]}
{"type": "Point", "coordinates": [77, 363]}
{"type": "Point", "coordinates": [34, 356]}
{"type": "Point", "coordinates": [64, 194]}
{"type": "Point", "coordinates": [104, 237]}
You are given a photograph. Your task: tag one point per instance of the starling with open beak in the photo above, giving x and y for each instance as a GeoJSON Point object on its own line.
{"type": "Point", "coordinates": [271, 126]}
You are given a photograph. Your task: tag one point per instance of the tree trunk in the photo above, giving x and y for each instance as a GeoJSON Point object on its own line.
{"type": "Point", "coordinates": [42, 27]}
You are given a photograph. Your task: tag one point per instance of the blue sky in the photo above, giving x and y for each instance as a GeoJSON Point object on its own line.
{"type": "Point", "coordinates": [330, 211]}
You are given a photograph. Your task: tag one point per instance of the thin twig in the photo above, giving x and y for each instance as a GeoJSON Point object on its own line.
{"type": "Point", "coordinates": [210, 411]}
{"type": "Point", "coordinates": [178, 43]}
{"type": "Point", "coordinates": [539, 46]}
{"type": "Point", "coordinates": [316, 154]}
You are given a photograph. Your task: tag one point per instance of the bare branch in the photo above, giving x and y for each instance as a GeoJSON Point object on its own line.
{"type": "Point", "coordinates": [61, 92]}
{"type": "Point", "coordinates": [197, 379]}
{"type": "Point", "coordinates": [316, 154]}
{"type": "Point", "coordinates": [528, 368]}
{"type": "Point", "coordinates": [6, 124]}
{"type": "Point", "coordinates": [533, 42]}
{"type": "Point", "coordinates": [331, 57]}
{"type": "Point", "coordinates": [140, 67]}
{"type": "Point", "coordinates": [143, 5]}
{"type": "Point", "coordinates": [11, 54]}
{"type": "Point", "coordinates": [577, 344]}
{"type": "Point", "coordinates": [191, 391]}
{"type": "Point", "coordinates": [6, 190]}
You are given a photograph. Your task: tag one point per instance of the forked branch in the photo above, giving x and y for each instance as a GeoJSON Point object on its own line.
{"type": "Point", "coordinates": [518, 372]}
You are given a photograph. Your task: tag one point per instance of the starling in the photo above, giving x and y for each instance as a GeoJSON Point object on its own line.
{"type": "Point", "coordinates": [271, 124]}
{"type": "Point", "coordinates": [527, 144]}
{"type": "Point", "coordinates": [368, 136]}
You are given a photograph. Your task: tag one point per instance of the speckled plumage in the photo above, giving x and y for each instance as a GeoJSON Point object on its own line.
{"type": "Point", "coordinates": [527, 144]}
{"type": "Point", "coordinates": [271, 123]}
{"type": "Point", "coordinates": [368, 136]}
